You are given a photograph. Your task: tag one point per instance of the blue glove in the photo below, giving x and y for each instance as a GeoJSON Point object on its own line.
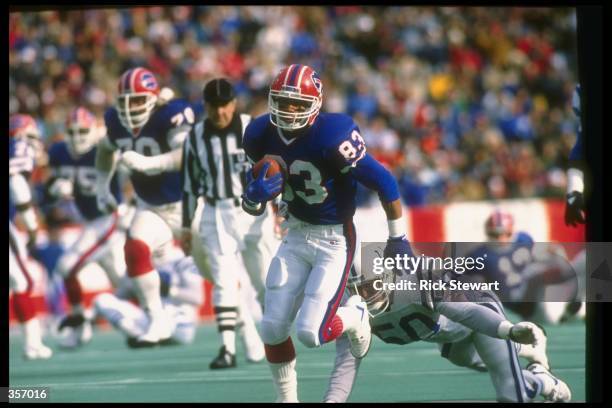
{"type": "Point", "coordinates": [263, 189]}
{"type": "Point", "coordinates": [398, 246]}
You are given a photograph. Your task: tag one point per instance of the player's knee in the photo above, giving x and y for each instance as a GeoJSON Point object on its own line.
{"type": "Point", "coordinates": [274, 331]}
{"type": "Point", "coordinates": [137, 257]}
{"type": "Point", "coordinates": [308, 338]}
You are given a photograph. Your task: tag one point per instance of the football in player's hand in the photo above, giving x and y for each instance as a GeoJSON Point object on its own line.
{"type": "Point", "coordinates": [274, 168]}
{"type": "Point", "coordinates": [264, 182]}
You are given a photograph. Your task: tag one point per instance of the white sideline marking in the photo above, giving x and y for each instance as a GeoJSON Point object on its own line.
{"type": "Point", "coordinates": [185, 377]}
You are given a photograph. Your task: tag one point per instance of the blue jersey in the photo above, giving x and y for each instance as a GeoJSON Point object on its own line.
{"type": "Point", "coordinates": [320, 188]}
{"type": "Point", "coordinates": [155, 138]}
{"type": "Point", "coordinates": [576, 152]}
{"type": "Point", "coordinates": [505, 264]}
{"type": "Point", "coordinates": [81, 171]}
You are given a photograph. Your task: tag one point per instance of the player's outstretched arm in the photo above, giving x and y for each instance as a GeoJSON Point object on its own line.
{"type": "Point", "coordinates": [574, 199]}
{"type": "Point", "coordinates": [152, 165]}
{"type": "Point", "coordinates": [483, 319]}
{"type": "Point", "coordinates": [374, 176]}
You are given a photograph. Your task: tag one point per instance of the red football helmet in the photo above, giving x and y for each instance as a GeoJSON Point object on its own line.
{"type": "Point", "coordinates": [24, 126]}
{"type": "Point", "coordinates": [499, 223]}
{"type": "Point", "coordinates": [138, 92]}
{"type": "Point", "coordinates": [296, 85]}
{"type": "Point", "coordinates": [81, 131]}
{"type": "Point", "coordinates": [21, 125]}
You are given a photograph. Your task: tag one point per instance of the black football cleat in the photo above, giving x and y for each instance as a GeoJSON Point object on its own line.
{"type": "Point", "coordinates": [73, 320]}
{"type": "Point", "coordinates": [134, 343]}
{"type": "Point", "coordinates": [225, 359]}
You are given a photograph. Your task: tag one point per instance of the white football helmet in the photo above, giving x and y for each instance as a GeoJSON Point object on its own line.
{"type": "Point", "coordinates": [362, 282]}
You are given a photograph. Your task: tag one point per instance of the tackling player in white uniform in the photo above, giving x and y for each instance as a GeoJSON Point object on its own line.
{"type": "Point", "coordinates": [471, 331]}
{"type": "Point", "coordinates": [147, 129]}
{"type": "Point", "coordinates": [215, 167]}
{"type": "Point", "coordinates": [24, 142]}
{"type": "Point", "coordinates": [73, 174]}
{"type": "Point", "coordinates": [323, 156]}
{"type": "Point", "coordinates": [182, 295]}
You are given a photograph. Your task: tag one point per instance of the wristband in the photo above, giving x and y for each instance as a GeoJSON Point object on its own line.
{"type": "Point", "coordinates": [575, 180]}
{"type": "Point", "coordinates": [397, 227]}
{"type": "Point", "coordinates": [503, 331]}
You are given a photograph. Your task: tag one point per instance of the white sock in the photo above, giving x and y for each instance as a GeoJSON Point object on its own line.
{"type": "Point", "coordinates": [32, 332]}
{"type": "Point", "coordinates": [147, 287]}
{"type": "Point", "coordinates": [284, 378]}
{"type": "Point", "coordinates": [228, 338]}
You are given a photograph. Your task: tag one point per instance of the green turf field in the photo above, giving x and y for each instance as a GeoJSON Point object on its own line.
{"type": "Point", "coordinates": [106, 370]}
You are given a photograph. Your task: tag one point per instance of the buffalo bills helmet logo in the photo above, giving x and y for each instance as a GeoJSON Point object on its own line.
{"type": "Point", "coordinates": [149, 81]}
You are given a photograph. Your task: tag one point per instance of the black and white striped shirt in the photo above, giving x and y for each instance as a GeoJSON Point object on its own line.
{"type": "Point", "coordinates": [214, 164]}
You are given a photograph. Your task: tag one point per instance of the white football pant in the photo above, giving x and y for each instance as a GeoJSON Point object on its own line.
{"type": "Point", "coordinates": [308, 274]}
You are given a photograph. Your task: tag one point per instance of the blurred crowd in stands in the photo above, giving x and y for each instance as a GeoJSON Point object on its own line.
{"type": "Point", "coordinates": [462, 103]}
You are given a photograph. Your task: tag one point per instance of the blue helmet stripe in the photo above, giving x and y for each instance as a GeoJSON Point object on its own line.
{"type": "Point", "coordinates": [294, 75]}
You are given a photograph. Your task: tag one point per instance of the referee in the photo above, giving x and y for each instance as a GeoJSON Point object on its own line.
{"type": "Point", "coordinates": [215, 167]}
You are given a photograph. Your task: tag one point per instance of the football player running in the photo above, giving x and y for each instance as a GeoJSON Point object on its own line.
{"type": "Point", "coordinates": [145, 132]}
{"type": "Point", "coordinates": [73, 174]}
{"type": "Point", "coordinates": [323, 156]}
{"type": "Point", "coordinates": [471, 331]}
{"type": "Point", "coordinates": [24, 146]}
